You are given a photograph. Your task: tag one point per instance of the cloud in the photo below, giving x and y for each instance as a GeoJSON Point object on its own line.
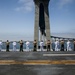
{"type": "Point", "coordinates": [25, 5]}
{"type": "Point", "coordinates": [62, 3]}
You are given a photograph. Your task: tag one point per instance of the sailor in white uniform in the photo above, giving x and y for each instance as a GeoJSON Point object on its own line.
{"type": "Point", "coordinates": [14, 46]}
{"type": "Point", "coordinates": [41, 45]}
{"type": "Point", "coordinates": [27, 46]}
{"type": "Point", "coordinates": [0, 45]}
{"type": "Point", "coordinates": [56, 45]}
{"type": "Point", "coordinates": [68, 45]}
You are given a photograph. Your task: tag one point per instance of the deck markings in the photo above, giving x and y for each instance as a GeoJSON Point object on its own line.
{"type": "Point", "coordinates": [58, 54]}
{"type": "Point", "coordinates": [38, 62]}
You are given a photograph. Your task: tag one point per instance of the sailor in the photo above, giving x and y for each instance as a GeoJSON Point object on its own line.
{"type": "Point", "coordinates": [56, 45]}
{"type": "Point", "coordinates": [41, 45]}
{"type": "Point", "coordinates": [0, 45]}
{"type": "Point", "coordinates": [14, 46]}
{"type": "Point", "coordinates": [68, 45]}
{"type": "Point", "coordinates": [28, 46]}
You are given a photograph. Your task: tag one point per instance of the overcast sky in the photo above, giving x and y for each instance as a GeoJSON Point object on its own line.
{"type": "Point", "coordinates": [17, 18]}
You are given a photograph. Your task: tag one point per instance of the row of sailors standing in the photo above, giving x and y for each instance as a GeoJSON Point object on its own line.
{"type": "Point", "coordinates": [68, 45]}
{"type": "Point", "coordinates": [14, 45]}
{"type": "Point", "coordinates": [27, 45]}
{"type": "Point", "coordinates": [58, 45]}
{"type": "Point", "coordinates": [21, 45]}
{"type": "Point", "coordinates": [48, 44]}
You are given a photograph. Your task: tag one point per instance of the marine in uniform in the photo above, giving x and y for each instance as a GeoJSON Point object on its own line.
{"type": "Point", "coordinates": [35, 45]}
{"type": "Point", "coordinates": [48, 45]}
{"type": "Point", "coordinates": [74, 44]}
{"type": "Point", "coordinates": [62, 45]}
{"type": "Point", "coordinates": [7, 45]}
{"type": "Point", "coordinates": [21, 45]}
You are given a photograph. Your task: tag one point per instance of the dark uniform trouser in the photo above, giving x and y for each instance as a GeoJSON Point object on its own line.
{"type": "Point", "coordinates": [21, 48]}
{"type": "Point", "coordinates": [48, 47]}
{"type": "Point", "coordinates": [7, 48]}
{"type": "Point", "coordinates": [62, 47]}
{"type": "Point", "coordinates": [74, 47]}
{"type": "Point", "coordinates": [35, 47]}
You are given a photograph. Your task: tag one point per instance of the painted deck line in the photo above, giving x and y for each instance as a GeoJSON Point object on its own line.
{"type": "Point", "coordinates": [38, 62]}
{"type": "Point", "coordinates": [58, 54]}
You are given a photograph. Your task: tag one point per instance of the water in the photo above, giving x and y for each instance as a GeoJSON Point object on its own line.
{"type": "Point", "coordinates": [31, 45]}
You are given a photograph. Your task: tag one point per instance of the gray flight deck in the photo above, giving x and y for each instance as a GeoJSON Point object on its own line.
{"type": "Point", "coordinates": [37, 69]}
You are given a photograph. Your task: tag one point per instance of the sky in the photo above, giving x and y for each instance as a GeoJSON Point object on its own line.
{"type": "Point", "coordinates": [17, 19]}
